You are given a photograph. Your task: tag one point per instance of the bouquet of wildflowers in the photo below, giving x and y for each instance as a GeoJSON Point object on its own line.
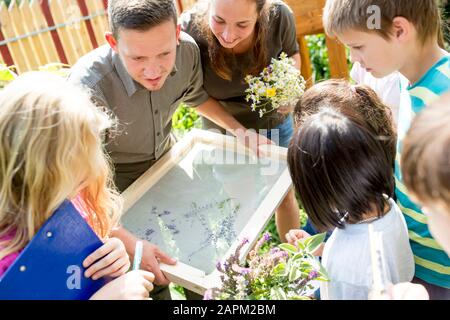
{"type": "Point", "coordinates": [281, 273]}
{"type": "Point", "coordinates": [279, 84]}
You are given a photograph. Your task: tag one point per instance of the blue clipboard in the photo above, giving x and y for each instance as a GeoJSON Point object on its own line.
{"type": "Point", "coordinates": [51, 265]}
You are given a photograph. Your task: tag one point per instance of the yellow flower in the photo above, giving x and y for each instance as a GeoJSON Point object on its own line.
{"type": "Point", "coordinates": [270, 92]}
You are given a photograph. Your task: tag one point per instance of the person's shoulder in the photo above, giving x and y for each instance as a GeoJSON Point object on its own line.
{"type": "Point", "coordinates": [279, 9]}
{"type": "Point", "coordinates": [187, 45]}
{"type": "Point", "coordinates": [92, 67]}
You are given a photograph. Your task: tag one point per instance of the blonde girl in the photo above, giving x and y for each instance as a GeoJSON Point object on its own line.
{"type": "Point", "coordinates": [50, 151]}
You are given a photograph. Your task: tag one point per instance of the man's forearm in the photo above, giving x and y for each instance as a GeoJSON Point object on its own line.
{"type": "Point", "coordinates": [128, 239]}
{"type": "Point", "coordinates": [214, 111]}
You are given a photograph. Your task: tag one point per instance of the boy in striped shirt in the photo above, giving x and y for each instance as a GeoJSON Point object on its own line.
{"type": "Point", "coordinates": [402, 35]}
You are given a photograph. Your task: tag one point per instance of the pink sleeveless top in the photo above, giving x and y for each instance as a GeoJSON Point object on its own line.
{"type": "Point", "coordinates": [9, 259]}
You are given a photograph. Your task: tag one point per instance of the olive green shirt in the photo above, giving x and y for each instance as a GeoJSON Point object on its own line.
{"type": "Point", "coordinates": [144, 117]}
{"type": "Point", "coordinates": [281, 37]}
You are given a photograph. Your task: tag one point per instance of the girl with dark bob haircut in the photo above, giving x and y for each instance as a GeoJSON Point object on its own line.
{"type": "Point", "coordinates": [343, 174]}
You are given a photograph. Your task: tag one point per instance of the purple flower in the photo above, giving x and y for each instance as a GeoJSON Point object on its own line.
{"type": "Point", "coordinates": [239, 269]}
{"type": "Point", "coordinates": [244, 241]}
{"type": "Point", "coordinates": [274, 250]}
{"type": "Point", "coordinates": [208, 295]}
{"type": "Point", "coordinates": [266, 236]}
{"type": "Point", "coordinates": [312, 275]}
{"type": "Point", "coordinates": [245, 271]}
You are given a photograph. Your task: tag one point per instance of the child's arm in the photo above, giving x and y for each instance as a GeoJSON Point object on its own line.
{"type": "Point", "coordinates": [134, 285]}
{"type": "Point", "coordinates": [294, 235]}
{"type": "Point", "coordinates": [111, 259]}
{"type": "Point", "coordinates": [151, 255]}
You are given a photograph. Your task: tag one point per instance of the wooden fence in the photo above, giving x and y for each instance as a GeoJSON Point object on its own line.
{"type": "Point", "coordinates": [38, 32]}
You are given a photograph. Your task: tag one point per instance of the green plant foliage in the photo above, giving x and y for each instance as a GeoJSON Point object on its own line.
{"type": "Point", "coordinates": [184, 119]}
{"type": "Point", "coordinates": [285, 272]}
{"type": "Point", "coordinates": [6, 75]}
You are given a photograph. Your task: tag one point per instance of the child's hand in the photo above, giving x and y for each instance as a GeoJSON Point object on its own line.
{"type": "Point", "coordinates": [111, 259]}
{"type": "Point", "coordinates": [408, 291]}
{"type": "Point", "coordinates": [295, 235]}
{"type": "Point", "coordinates": [134, 285]}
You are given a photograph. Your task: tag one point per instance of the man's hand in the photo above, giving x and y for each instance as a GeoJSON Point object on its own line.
{"type": "Point", "coordinates": [151, 254]}
{"type": "Point", "coordinates": [252, 140]}
{"type": "Point", "coordinates": [408, 291]}
{"type": "Point", "coordinates": [151, 257]}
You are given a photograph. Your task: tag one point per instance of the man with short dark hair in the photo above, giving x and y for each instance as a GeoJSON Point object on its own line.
{"type": "Point", "coordinates": [146, 71]}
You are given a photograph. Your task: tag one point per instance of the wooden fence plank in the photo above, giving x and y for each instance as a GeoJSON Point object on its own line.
{"type": "Point", "coordinates": [34, 12]}
{"type": "Point", "coordinates": [5, 53]}
{"type": "Point", "coordinates": [45, 8]}
{"type": "Point", "coordinates": [27, 21]}
{"type": "Point", "coordinates": [88, 23]}
{"type": "Point", "coordinates": [72, 51]}
{"type": "Point", "coordinates": [20, 29]}
{"type": "Point", "coordinates": [99, 23]}
{"type": "Point", "coordinates": [15, 47]}
{"type": "Point", "coordinates": [76, 29]}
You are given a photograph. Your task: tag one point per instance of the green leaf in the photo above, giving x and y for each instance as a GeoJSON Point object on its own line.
{"type": "Point", "coordinates": [289, 248]}
{"type": "Point", "coordinates": [300, 246]}
{"type": "Point", "coordinates": [298, 256]}
{"type": "Point", "coordinates": [294, 274]}
{"type": "Point", "coordinates": [279, 269]}
{"type": "Point", "coordinates": [314, 242]}
{"type": "Point", "coordinates": [277, 293]}
{"type": "Point", "coordinates": [322, 279]}
{"type": "Point", "coordinates": [6, 74]}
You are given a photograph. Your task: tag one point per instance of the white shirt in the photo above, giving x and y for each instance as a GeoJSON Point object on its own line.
{"type": "Point", "coordinates": [387, 88]}
{"type": "Point", "coordinates": [346, 257]}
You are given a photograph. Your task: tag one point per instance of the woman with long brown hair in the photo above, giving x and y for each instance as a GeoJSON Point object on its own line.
{"type": "Point", "coordinates": [237, 38]}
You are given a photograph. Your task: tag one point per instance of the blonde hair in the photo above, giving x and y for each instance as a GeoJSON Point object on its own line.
{"type": "Point", "coordinates": [425, 161]}
{"type": "Point", "coordinates": [342, 15]}
{"type": "Point", "coordinates": [50, 151]}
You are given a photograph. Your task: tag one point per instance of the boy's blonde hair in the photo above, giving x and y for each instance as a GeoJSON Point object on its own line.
{"type": "Point", "coordinates": [342, 15]}
{"type": "Point", "coordinates": [50, 151]}
{"type": "Point", "coordinates": [426, 154]}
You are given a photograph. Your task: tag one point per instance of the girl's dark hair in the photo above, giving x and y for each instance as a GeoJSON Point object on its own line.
{"type": "Point", "coordinates": [221, 60]}
{"type": "Point", "coordinates": [339, 168]}
{"type": "Point", "coordinates": [360, 100]}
